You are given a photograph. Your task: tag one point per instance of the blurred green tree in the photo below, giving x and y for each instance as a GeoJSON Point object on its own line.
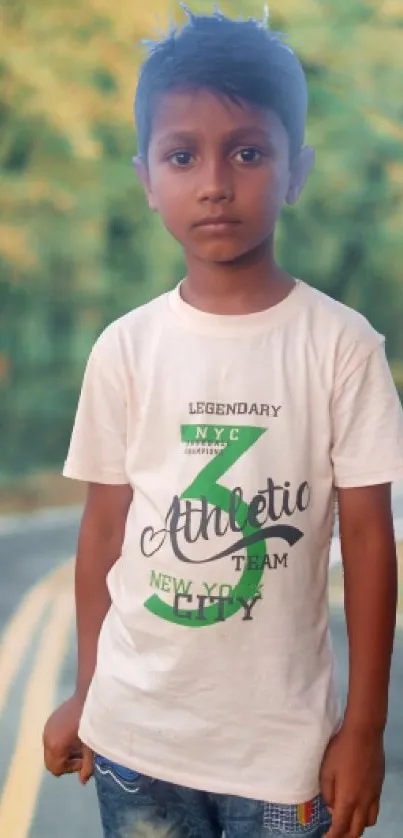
{"type": "Point", "coordinates": [78, 246]}
{"type": "Point", "coordinates": [347, 227]}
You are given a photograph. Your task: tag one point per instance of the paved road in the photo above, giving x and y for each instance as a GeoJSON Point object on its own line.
{"type": "Point", "coordinates": [37, 665]}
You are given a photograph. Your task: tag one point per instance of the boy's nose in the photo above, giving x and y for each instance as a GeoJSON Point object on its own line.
{"type": "Point", "coordinates": [216, 194]}
{"type": "Point", "coordinates": [215, 186]}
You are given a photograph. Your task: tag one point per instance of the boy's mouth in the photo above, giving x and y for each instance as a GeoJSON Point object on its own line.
{"type": "Point", "coordinates": [217, 223]}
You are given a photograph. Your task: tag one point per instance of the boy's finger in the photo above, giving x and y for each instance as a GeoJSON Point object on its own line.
{"type": "Point", "coordinates": [358, 823]}
{"type": "Point", "coordinates": [87, 765]}
{"type": "Point", "coordinates": [341, 821]}
{"type": "Point", "coordinates": [73, 766]}
{"type": "Point", "coordinates": [373, 813]}
{"type": "Point", "coordinates": [328, 791]}
{"type": "Point", "coordinates": [56, 765]}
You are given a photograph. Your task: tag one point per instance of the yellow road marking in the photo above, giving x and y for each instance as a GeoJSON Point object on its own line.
{"type": "Point", "coordinates": [20, 629]}
{"type": "Point", "coordinates": [20, 791]}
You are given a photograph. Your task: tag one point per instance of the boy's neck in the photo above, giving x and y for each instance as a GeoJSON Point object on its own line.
{"type": "Point", "coordinates": [250, 285]}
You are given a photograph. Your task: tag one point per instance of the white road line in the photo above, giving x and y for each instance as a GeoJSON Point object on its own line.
{"type": "Point", "coordinates": [20, 791]}
{"type": "Point", "coordinates": [20, 630]}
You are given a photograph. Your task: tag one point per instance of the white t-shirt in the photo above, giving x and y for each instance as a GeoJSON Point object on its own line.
{"type": "Point", "coordinates": [215, 668]}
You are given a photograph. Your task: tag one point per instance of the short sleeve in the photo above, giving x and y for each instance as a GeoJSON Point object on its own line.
{"type": "Point", "coordinates": [97, 451]}
{"type": "Point", "coordinates": [367, 426]}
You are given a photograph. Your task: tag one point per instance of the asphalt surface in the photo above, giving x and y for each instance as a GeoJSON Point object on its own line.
{"type": "Point", "coordinates": [31, 549]}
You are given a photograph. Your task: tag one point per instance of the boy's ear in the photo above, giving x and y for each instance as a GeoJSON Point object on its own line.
{"type": "Point", "coordinates": [142, 173]}
{"type": "Point", "coordinates": [300, 170]}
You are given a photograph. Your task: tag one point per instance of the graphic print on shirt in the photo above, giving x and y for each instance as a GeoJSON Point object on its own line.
{"type": "Point", "coordinates": [207, 508]}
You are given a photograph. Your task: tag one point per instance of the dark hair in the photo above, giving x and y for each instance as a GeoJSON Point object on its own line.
{"type": "Point", "coordinates": [240, 59]}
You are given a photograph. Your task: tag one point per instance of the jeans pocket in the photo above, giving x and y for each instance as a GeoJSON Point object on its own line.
{"type": "Point", "coordinates": [125, 778]}
{"type": "Point", "coordinates": [307, 819]}
{"type": "Point", "coordinates": [122, 788]}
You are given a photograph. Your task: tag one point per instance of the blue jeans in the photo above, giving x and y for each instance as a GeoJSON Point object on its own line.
{"type": "Point", "coordinates": [135, 806]}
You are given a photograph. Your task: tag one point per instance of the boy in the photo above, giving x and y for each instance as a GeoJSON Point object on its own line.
{"type": "Point", "coordinates": [215, 426]}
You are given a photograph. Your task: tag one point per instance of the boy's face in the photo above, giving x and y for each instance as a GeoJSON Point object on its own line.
{"type": "Point", "coordinates": [219, 173]}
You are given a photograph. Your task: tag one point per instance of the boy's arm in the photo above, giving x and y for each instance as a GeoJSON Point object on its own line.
{"type": "Point", "coordinates": [99, 546]}
{"type": "Point", "coordinates": [370, 578]}
{"type": "Point", "coordinates": [97, 456]}
{"type": "Point", "coordinates": [353, 768]}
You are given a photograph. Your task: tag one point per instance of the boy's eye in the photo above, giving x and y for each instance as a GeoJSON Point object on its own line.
{"type": "Point", "coordinates": [181, 158]}
{"type": "Point", "coordinates": [249, 155]}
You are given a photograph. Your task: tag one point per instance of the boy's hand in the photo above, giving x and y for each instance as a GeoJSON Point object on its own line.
{"type": "Point", "coordinates": [352, 776]}
{"type": "Point", "coordinates": [63, 751]}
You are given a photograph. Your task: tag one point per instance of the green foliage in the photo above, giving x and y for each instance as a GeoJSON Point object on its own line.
{"type": "Point", "coordinates": [78, 246]}
{"type": "Point", "coordinates": [347, 229]}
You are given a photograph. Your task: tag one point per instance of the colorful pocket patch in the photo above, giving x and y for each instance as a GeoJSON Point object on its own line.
{"type": "Point", "coordinates": [298, 819]}
{"type": "Point", "coordinates": [305, 813]}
